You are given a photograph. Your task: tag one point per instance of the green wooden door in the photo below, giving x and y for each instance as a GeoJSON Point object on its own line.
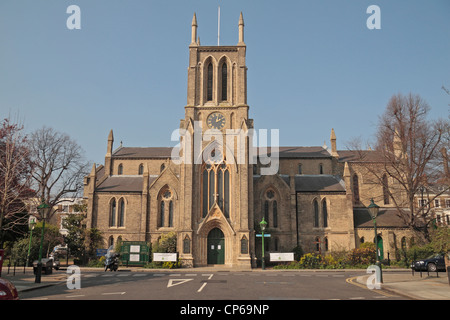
{"type": "Point", "coordinates": [380, 249]}
{"type": "Point", "coordinates": [216, 247]}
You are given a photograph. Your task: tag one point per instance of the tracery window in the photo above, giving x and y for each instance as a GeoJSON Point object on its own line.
{"type": "Point", "coordinates": [216, 185]}
{"type": "Point", "coordinates": [166, 208]}
{"type": "Point", "coordinates": [271, 208]}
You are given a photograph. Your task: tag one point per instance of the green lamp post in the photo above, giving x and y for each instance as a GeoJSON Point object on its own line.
{"type": "Point", "coordinates": [373, 211]}
{"type": "Point", "coordinates": [263, 225]}
{"type": "Point", "coordinates": [31, 226]}
{"type": "Point", "coordinates": [43, 209]}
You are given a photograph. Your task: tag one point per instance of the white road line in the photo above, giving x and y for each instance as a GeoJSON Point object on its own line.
{"type": "Point", "coordinates": [357, 298]}
{"type": "Point", "coordinates": [111, 293]}
{"type": "Point", "coordinates": [191, 274]}
{"type": "Point", "coordinates": [159, 274]}
{"type": "Point", "coordinates": [75, 296]}
{"type": "Point", "coordinates": [201, 288]}
{"type": "Point", "coordinates": [175, 275]}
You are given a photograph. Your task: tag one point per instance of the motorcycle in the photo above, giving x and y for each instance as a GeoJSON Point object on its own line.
{"type": "Point", "coordinates": [112, 260]}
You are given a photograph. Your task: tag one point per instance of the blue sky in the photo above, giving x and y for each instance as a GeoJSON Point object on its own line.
{"type": "Point", "coordinates": [312, 65]}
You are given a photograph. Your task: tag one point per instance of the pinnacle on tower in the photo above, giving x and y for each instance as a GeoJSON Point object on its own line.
{"type": "Point", "coordinates": [194, 30]}
{"type": "Point", "coordinates": [241, 30]}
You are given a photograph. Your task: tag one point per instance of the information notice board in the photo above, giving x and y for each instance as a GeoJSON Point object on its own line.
{"type": "Point", "coordinates": [134, 252]}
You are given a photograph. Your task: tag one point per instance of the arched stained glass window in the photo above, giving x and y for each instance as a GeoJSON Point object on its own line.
{"type": "Point", "coordinates": [224, 81]}
{"type": "Point", "coordinates": [385, 189]}
{"type": "Point", "coordinates": [209, 85]}
{"type": "Point", "coordinates": [112, 213]}
{"type": "Point", "coordinates": [170, 214]}
{"type": "Point", "coordinates": [325, 213]}
{"type": "Point", "coordinates": [121, 213]}
{"type": "Point", "coordinates": [355, 189]}
{"type": "Point", "coordinates": [275, 214]}
{"type": "Point", "coordinates": [316, 214]}
{"type": "Point", "coordinates": [161, 213]}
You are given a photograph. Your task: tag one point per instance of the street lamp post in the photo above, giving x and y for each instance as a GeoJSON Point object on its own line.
{"type": "Point", "coordinates": [31, 226]}
{"type": "Point", "coordinates": [373, 211]}
{"type": "Point", "coordinates": [43, 210]}
{"type": "Point", "coordinates": [263, 225]}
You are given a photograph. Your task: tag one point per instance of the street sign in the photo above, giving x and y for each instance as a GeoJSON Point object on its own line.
{"type": "Point", "coordinates": [266, 235]}
{"type": "Point", "coordinates": [101, 252]}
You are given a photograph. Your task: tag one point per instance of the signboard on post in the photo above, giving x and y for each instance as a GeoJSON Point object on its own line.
{"type": "Point", "coordinates": [282, 257]}
{"type": "Point", "coordinates": [134, 252]}
{"type": "Point", "coordinates": [163, 257]}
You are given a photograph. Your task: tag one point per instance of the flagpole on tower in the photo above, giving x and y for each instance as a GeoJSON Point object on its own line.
{"type": "Point", "coordinates": [218, 29]}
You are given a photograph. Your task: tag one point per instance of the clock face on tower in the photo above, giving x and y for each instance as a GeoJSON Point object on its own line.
{"type": "Point", "coordinates": [216, 120]}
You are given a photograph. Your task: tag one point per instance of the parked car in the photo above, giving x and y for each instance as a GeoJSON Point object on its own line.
{"type": "Point", "coordinates": [7, 290]}
{"type": "Point", "coordinates": [47, 265]}
{"type": "Point", "coordinates": [433, 263]}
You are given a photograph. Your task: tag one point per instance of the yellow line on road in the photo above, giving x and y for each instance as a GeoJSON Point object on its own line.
{"type": "Point", "coordinates": [380, 291]}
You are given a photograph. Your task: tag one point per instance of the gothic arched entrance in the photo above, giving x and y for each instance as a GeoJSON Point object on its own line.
{"type": "Point", "coordinates": [216, 247]}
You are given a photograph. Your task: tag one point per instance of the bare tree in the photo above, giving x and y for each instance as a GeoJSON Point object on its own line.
{"type": "Point", "coordinates": [15, 177]}
{"type": "Point", "coordinates": [59, 166]}
{"type": "Point", "coordinates": [409, 154]}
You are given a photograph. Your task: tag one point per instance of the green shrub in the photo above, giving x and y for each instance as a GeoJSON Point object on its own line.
{"type": "Point", "coordinates": [361, 256]}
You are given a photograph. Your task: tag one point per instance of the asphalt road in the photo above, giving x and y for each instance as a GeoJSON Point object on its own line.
{"type": "Point", "coordinates": [200, 286]}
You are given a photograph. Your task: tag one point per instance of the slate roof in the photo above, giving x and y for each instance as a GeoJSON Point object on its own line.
{"type": "Point", "coordinates": [387, 218]}
{"type": "Point", "coordinates": [165, 152]}
{"type": "Point", "coordinates": [147, 152]}
{"type": "Point", "coordinates": [121, 184]}
{"type": "Point", "coordinates": [297, 152]}
{"type": "Point", "coordinates": [318, 183]}
{"type": "Point", "coordinates": [359, 156]}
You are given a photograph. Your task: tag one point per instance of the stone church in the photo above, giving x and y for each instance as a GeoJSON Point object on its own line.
{"type": "Point", "coordinates": [213, 192]}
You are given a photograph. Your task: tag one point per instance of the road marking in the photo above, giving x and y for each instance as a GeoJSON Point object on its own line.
{"type": "Point", "coordinates": [175, 275]}
{"type": "Point", "coordinates": [124, 275]}
{"type": "Point", "coordinates": [384, 293]}
{"type": "Point", "coordinates": [112, 293]}
{"type": "Point", "coordinates": [139, 275]}
{"type": "Point", "coordinates": [75, 296]}
{"type": "Point", "coordinates": [191, 275]}
{"type": "Point", "coordinates": [175, 282]}
{"type": "Point", "coordinates": [357, 298]}
{"type": "Point", "coordinates": [201, 288]}
{"type": "Point", "coordinates": [158, 274]}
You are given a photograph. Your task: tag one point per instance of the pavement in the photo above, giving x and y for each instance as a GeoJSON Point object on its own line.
{"type": "Point", "coordinates": [398, 281]}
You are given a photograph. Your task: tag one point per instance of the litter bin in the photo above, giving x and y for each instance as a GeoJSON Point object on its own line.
{"type": "Point", "coordinates": [47, 265]}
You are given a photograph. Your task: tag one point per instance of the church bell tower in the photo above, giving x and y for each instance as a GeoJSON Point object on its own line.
{"type": "Point", "coordinates": [216, 177]}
